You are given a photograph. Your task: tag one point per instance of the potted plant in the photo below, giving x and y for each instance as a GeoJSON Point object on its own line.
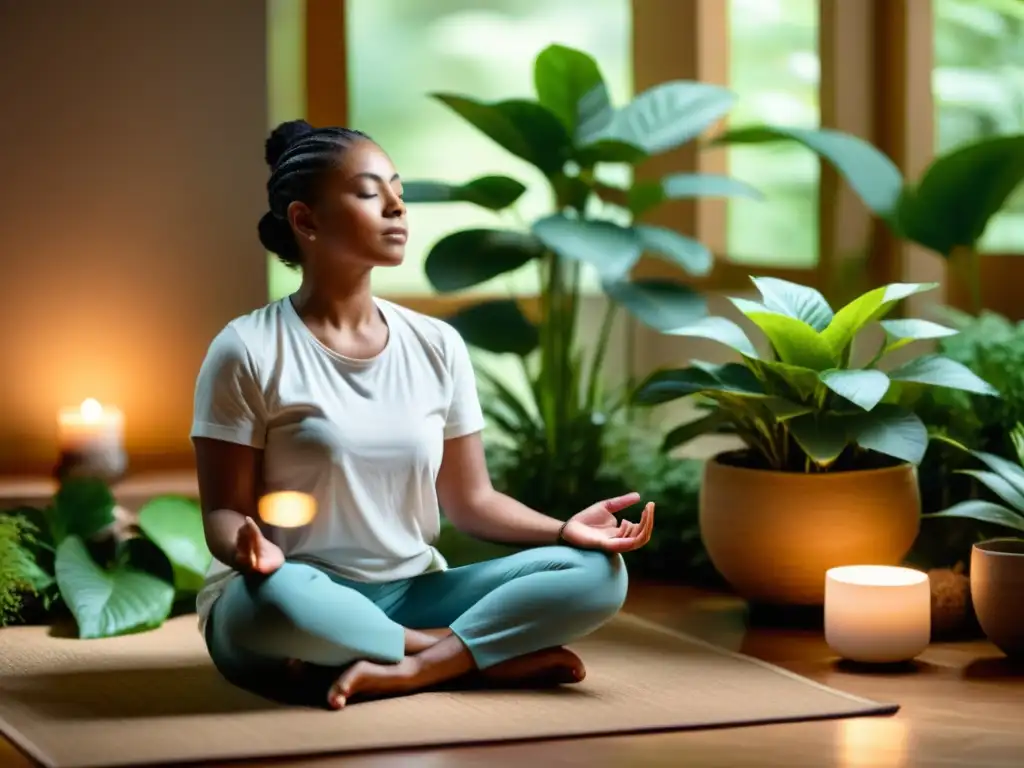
{"type": "Point", "coordinates": [549, 436]}
{"type": "Point", "coordinates": [997, 565]}
{"type": "Point", "coordinates": [946, 211]}
{"type": "Point", "coordinates": [827, 477]}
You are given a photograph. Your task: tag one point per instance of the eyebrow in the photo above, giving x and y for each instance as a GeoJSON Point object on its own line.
{"type": "Point", "coordinates": [374, 177]}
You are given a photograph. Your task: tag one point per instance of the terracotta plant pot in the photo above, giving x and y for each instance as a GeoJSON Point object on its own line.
{"type": "Point", "coordinates": [997, 582]}
{"type": "Point", "coordinates": [772, 535]}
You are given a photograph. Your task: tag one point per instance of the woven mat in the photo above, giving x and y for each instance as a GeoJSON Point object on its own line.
{"type": "Point", "coordinates": [155, 698]}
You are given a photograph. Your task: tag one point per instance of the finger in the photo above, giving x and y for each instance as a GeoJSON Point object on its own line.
{"type": "Point", "coordinates": [619, 545]}
{"type": "Point", "coordinates": [645, 522]}
{"type": "Point", "coordinates": [650, 522]}
{"type": "Point", "coordinates": [619, 503]}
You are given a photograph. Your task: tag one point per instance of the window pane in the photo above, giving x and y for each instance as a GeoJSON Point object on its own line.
{"type": "Point", "coordinates": [400, 51]}
{"type": "Point", "coordinates": [978, 84]}
{"type": "Point", "coordinates": [774, 66]}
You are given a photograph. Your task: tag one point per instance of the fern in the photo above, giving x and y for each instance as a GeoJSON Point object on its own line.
{"type": "Point", "coordinates": [20, 575]}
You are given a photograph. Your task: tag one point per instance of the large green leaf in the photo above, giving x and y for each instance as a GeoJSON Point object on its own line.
{"type": "Point", "coordinates": [175, 525]}
{"type": "Point", "coordinates": [865, 309]}
{"type": "Point", "coordinates": [645, 195]}
{"type": "Point", "coordinates": [891, 430]}
{"type": "Point", "coordinates": [821, 436]}
{"type": "Point", "coordinates": [670, 114]}
{"type": "Point", "coordinates": [719, 329]}
{"type": "Point", "coordinates": [497, 326]}
{"type": "Point", "coordinates": [869, 172]}
{"type": "Point", "coordinates": [939, 371]}
{"type": "Point", "coordinates": [109, 602]}
{"type": "Point", "coordinates": [691, 430]}
{"type": "Point", "coordinates": [608, 151]}
{"type": "Point", "coordinates": [525, 128]}
{"type": "Point", "coordinates": [474, 256]}
{"type": "Point", "coordinates": [794, 300]}
{"type": "Point", "coordinates": [491, 192]}
{"type": "Point", "coordinates": [82, 506]}
{"type": "Point", "coordinates": [961, 191]}
{"type": "Point", "coordinates": [865, 388]}
{"type": "Point", "coordinates": [791, 382]}
{"type": "Point", "coordinates": [612, 250]}
{"type": "Point", "coordinates": [984, 512]}
{"type": "Point", "coordinates": [1012, 473]}
{"type": "Point", "coordinates": [671, 384]}
{"type": "Point", "coordinates": [658, 304]}
{"type": "Point", "coordinates": [999, 485]}
{"type": "Point", "coordinates": [795, 342]}
{"type": "Point", "coordinates": [902, 332]}
{"type": "Point", "coordinates": [685, 252]}
{"type": "Point", "coordinates": [563, 77]}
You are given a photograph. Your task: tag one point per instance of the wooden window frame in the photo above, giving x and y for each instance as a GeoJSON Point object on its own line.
{"type": "Point", "coordinates": [876, 67]}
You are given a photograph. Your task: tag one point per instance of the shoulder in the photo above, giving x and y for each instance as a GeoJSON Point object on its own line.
{"type": "Point", "coordinates": [431, 331]}
{"type": "Point", "coordinates": [243, 338]}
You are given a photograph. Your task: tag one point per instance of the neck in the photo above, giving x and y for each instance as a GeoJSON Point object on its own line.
{"type": "Point", "coordinates": [341, 300]}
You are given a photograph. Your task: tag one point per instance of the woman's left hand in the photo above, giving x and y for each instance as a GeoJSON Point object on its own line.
{"type": "Point", "coordinates": [597, 528]}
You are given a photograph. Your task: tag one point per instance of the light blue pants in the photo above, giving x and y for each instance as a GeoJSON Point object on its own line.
{"type": "Point", "coordinates": [500, 609]}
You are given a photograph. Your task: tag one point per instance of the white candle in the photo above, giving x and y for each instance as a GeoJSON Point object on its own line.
{"type": "Point", "coordinates": [876, 613]}
{"type": "Point", "coordinates": [287, 509]}
{"type": "Point", "coordinates": [91, 436]}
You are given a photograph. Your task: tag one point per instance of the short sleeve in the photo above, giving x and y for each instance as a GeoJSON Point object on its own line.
{"type": "Point", "coordinates": [465, 415]}
{"type": "Point", "coordinates": [228, 399]}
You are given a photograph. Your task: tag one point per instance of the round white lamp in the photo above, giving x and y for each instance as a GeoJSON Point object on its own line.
{"type": "Point", "coordinates": [287, 509]}
{"type": "Point", "coordinates": [877, 614]}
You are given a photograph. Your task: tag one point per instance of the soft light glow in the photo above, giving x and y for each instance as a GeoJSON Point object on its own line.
{"type": "Point", "coordinates": [872, 742]}
{"type": "Point", "coordinates": [876, 613]}
{"type": "Point", "coordinates": [287, 509]}
{"type": "Point", "coordinates": [91, 410]}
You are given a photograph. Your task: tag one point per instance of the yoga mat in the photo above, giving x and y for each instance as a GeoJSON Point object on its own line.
{"type": "Point", "coordinates": [155, 698]}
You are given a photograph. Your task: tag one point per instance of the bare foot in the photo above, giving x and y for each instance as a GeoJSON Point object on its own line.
{"type": "Point", "coordinates": [548, 667]}
{"type": "Point", "coordinates": [367, 679]}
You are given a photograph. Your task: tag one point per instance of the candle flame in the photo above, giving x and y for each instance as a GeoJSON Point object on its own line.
{"type": "Point", "coordinates": [91, 410]}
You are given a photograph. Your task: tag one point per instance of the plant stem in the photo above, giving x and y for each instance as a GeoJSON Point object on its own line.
{"type": "Point", "coordinates": [597, 363]}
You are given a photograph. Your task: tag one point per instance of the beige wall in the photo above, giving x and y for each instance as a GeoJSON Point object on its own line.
{"type": "Point", "coordinates": [132, 179]}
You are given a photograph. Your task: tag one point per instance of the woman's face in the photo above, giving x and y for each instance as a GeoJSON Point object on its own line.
{"type": "Point", "coordinates": [359, 217]}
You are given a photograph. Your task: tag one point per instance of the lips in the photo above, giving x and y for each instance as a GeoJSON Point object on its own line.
{"type": "Point", "coordinates": [396, 234]}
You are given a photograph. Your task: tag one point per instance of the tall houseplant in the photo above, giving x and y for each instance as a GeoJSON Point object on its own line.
{"type": "Point", "coordinates": [568, 131]}
{"type": "Point", "coordinates": [947, 210]}
{"type": "Point", "coordinates": [827, 477]}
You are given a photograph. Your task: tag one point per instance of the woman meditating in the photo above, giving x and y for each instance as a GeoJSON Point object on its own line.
{"type": "Point", "coordinates": [372, 409]}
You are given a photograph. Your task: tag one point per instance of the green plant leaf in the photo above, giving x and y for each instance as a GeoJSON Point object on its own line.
{"type": "Point", "coordinates": [961, 191]}
{"type": "Point", "coordinates": [563, 77]}
{"type": "Point", "coordinates": [109, 602]}
{"type": "Point", "coordinates": [794, 300]}
{"type": "Point", "coordinates": [82, 506]}
{"type": "Point", "coordinates": [870, 173]}
{"type": "Point", "coordinates": [645, 195]}
{"type": "Point", "coordinates": [1012, 473]}
{"type": "Point", "coordinates": [494, 193]}
{"type": "Point", "coordinates": [671, 384]}
{"type": "Point", "coordinates": [983, 512]}
{"type": "Point", "coordinates": [658, 304]}
{"type": "Point", "coordinates": [670, 114]}
{"type": "Point", "coordinates": [891, 430]}
{"type": "Point", "coordinates": [612, 250]}
{"type": "Point", "coordinates": [865, 388]}
{"type": "Point", "coordinates": [685, 252]}
{"type": "Point", "coordinates": [939, 371]}
{"type": "Point", "coordinates": [795, 342]}
{"type": "Point", "coordinates": [865, 309]}
{"type": "Point", "coordinates": [719, 329]}
{"type": "Point", "coordinates": [175, 524]}
{"type": "Point", "coordinates": [691, 430]}
{"type": "Point", "coordinates": [497, 326]}
{"type": "Point", "coordinates": [821, 436]}
{"type": "Point", "coordinates": [474, 256]}
{"type": "Point", "coordinates": [782, 409]}
{"type": "Point", "coordinates": [791, 382]}
{"type": "Point", "coordinates": [525, 128]}
{"type": "Point", "coordinates": [999, 486]}
{"type": "Point", "coordinates": [903, 332]}
{"type": "Point", "coordinates": [608, 151]}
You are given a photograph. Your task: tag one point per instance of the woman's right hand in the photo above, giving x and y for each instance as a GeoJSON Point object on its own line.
{"type": "Point", "coordinates": [254, 553]}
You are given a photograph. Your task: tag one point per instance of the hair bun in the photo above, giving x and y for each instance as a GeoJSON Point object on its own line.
{"type": "Point", "coordinates": [283, 137]}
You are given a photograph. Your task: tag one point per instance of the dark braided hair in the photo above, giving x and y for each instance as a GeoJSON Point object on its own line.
{"type": "Point", "coordinates": [298, 155]}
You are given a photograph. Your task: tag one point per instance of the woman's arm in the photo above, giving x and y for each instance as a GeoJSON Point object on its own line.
{"type": "Point", "coordinates": [228, 477]}
{"type": "Point", "coordinates": [473, 506]}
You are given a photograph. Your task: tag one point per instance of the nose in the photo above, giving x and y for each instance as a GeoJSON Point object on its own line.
{"type": "Point", "coordinates": [394, 207]}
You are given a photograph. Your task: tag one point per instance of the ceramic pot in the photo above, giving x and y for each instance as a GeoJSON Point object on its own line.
{"type": "Point", "coordinates": [997, 582]}
{"type": "Point", "coordinates": [773, 535]}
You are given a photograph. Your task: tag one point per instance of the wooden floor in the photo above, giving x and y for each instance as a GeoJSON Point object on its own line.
{"type": "Point", "coordinates": [962, 705]}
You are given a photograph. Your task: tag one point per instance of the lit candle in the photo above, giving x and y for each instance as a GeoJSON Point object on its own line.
{"type": "Point", "coordinates": [287, 509]}
{"type": "Point", "coordinates": [876, 613]}
{"type": "Point", "coordinates": [90, 439]}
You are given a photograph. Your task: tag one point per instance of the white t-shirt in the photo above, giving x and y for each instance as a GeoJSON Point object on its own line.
{"type": "Point", "coordinates": [363, 437]}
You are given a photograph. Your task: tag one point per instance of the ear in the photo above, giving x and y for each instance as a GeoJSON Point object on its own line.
{"type": "Point", "coordinates": [302, 219]}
